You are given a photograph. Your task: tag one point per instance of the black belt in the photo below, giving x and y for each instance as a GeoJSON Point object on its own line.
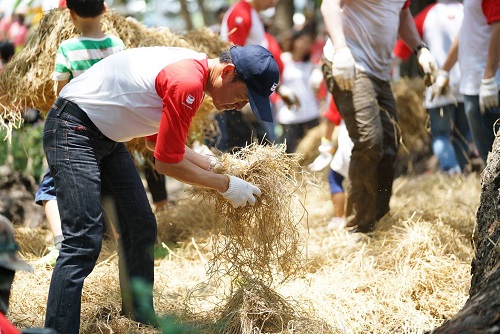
{"type": "Point", "coordinates": [73, 109]}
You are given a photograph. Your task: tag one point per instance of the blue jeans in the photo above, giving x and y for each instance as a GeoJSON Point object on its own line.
{"type": "Point", "coordinates": [481, 125]}
{"type": "Point", "coordinates": [87, 167]}
{"type": "Point", "coordinates": [47, 190]}
{"type": "Point", "coordinates": [450, 137]}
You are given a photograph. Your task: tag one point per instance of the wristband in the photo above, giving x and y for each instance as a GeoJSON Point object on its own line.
{"type": "Point", "coordinates": [418, 48]}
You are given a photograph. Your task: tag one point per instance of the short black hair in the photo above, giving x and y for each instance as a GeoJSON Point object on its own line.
{"type": "Point", "coordinates": [225, 57]}
{"type": "Point", "coordinates": [6, 50]}
{"type": "Point", "coordinates": [86, 8]}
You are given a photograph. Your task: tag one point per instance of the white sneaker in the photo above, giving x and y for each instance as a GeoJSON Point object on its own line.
{"type": "Point", "coordinates": [337, 223]}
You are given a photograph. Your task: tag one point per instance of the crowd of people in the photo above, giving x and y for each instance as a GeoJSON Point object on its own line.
{"type": "Point", "coordinates": [269, 89]}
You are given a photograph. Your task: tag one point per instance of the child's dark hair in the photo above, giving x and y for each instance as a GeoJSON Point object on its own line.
{"type": "Point", "coordinates": [86, 8]}
{"type": "Point", "coordinates": [6, 51]}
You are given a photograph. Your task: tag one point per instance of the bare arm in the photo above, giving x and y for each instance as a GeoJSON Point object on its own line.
{"type": "Point", "coordinates": [188, 172]}
{"type": "Point", "coordinates": [330, 126]}
{"type": "Point", "coordinates": [493, 51]}
{"type": "Point", "coordinates": [407, 30]}
{"type": "Point", "coordinates": [332, 15]}
{"type": "Point", "coordinates": [193, 169]}
{"type": "Point", "coordinates": [60, 85]}
{"type": "Point", "coordinates": [452, 57]}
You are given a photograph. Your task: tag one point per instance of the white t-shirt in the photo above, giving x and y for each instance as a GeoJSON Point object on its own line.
{"type": "Point", "coordinates": [473, 46]}
{"type": "Point", "coordinates": [441, 25]}
{"type": "Point", "coordinates": [296, 77]}
{"type": "Point", "coordinates": [141, 92]}
{"type": "Point", "coordinates": [371, 30]}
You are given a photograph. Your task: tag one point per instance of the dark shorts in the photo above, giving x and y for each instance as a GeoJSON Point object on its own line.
{"type": "Point", "coordinates": [46, 191]}
{"type": "Point", "coordinates": [335, 180]}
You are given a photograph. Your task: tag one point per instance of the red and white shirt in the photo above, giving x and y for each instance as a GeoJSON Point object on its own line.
{"type": "Point", "coordinates": [371, 30]}
{"type": "Point", "coordinates": [473, 43]}
{"type": "Point", "coordinates": [242, 26]}
{"type": "Point", "coordinates": [438, 25]}
{"type": "Point", "coordinates": [142, 92]}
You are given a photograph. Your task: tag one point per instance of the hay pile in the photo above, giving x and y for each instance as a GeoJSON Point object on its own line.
{"type": "Point", "coordinates": [254, 307]}
{"type": "Point", "coordinates": [263, 241]}
{"type": "Point", "coordinates": [26, 81]}
{"type": "Point", "coordinates": [409, 277]}
{"type": "Point", "coordinates": [413, 119]}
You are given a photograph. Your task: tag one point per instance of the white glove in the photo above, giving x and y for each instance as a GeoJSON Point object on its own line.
{"type": "Point", "coordinates": [488, 94]}
{"type": "Point", "coordinates": [343, 68]}
{"type": "Point", "coordinates": [288, 96]}
{"type": "Point", "coordinates": [428, 65]}
{"type": "Point", "coordinates": [316, 78]}
{"type": "Point", "coordinates": [325, 156]}
{"type": "Point", "coordinates": [441, 86]}
{"type": "Point", "coordinates": [240, 192]}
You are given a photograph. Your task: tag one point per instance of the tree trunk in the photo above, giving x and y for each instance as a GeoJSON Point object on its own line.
{"type": "Point", "coordinates": [208, 18]}
{"type": "Point", "coordinates": [186, 15]}
{"type": "Point", "coordinates": [283, 18]}
{"type": "Point", "coordinates": [481, 312]}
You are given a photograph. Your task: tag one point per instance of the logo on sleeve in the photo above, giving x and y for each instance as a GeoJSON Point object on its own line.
{"type": "Point", "coordinates": [189, 101]}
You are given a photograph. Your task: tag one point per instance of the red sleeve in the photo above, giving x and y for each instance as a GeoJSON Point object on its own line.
{"type": "Point", "coordinates": [62, 3]}
{"type": "Point", "coordinates": [407, 4]}
{"type": "Point", "coordinates": [275, 49]}
{"type": "Point", "coordinates": [491, 10]}
{"type": "Point", "coordinates": [332, 113]}
{"type": "Point", "coordinates": [239, 22]}
{"type": "Point", "coordinates": [181, 86]}
{"type": "Point", "coordinates": [6, 327]}
{"type": "Point", "coordinates": [401, 50]}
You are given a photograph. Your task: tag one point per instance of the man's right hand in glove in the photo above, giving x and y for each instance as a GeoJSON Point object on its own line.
{"type": "Point", "coordinates": [240, 193]}
{"type": "Point", "coordinates": [343, 68]}
{"type": "Point", "coordinates": [325, 156]}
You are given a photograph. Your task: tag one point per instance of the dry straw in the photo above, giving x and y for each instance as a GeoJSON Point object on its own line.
{"type": "Point", "coordinates": [261, 241]}
{"type": "Point", "coordinates": [412, 116]}
{"type": "Point", "coordinates": [256, 308]}
{"type": "Point", "coordinates": [409, 277]}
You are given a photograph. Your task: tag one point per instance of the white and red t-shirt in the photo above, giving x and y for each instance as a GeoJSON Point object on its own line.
{"type": "Point", "coordinates": [141, 92]}
{"type": "Point", "coordinates": [242, 26]}
{"type": "Point", "coordinates": [296, 76]}
{"type": "Point", "coordinates": [438, 25]}
{"type": "Point", "coordinates": [371, 30]}
{"type": "Point", "coordinates": [474, 41]}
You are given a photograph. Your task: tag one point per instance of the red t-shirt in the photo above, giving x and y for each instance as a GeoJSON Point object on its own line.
{"type": "Point", "coordinates": [6, 327]}
{"type": "Point", "coordinates": [332, 113]}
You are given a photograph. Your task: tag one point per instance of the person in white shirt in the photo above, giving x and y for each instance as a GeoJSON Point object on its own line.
{"type": "Point", "coordinates": [357, 64]}
{"type": "Point", "coordinates": [478, 52]}
{"type": "Point", "coordinates": [297, 119]}
{"type": "Point", "coordinates": [438, 24]}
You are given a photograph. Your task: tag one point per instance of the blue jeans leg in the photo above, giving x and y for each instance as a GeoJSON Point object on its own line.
{"type": "Point", "coordinates": [461, 137]}
{"type": "Point", "coordinates": [481, 125]}
{"type": "Point", "coordinates": [81, 160]}
{"type": "Point", "coordinates": [441, 130]}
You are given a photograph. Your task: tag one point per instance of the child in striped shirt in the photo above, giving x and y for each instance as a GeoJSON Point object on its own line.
{"type": "Point", "coordinates": [75, 56]}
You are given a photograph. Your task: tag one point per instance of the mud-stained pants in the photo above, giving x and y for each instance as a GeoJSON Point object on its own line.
{"type": "Point", "coordinates": [369, 112]}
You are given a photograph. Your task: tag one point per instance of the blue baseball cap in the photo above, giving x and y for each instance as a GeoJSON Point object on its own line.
{"type": "Point", "coordinates": [256, 66]}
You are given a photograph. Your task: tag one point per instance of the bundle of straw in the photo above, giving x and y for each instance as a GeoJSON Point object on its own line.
{"type": "Point", "coordinates": [255, 308]}
{"type": "Point", "coordinates": [26, 80]}
{"type": "Point", "coordinates": [261, 241]}
{"type": "Point", "coordinates": [412, 116]}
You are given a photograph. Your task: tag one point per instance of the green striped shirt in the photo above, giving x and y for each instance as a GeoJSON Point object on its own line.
{"type": "Point", "coordinates": [76, 55]}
